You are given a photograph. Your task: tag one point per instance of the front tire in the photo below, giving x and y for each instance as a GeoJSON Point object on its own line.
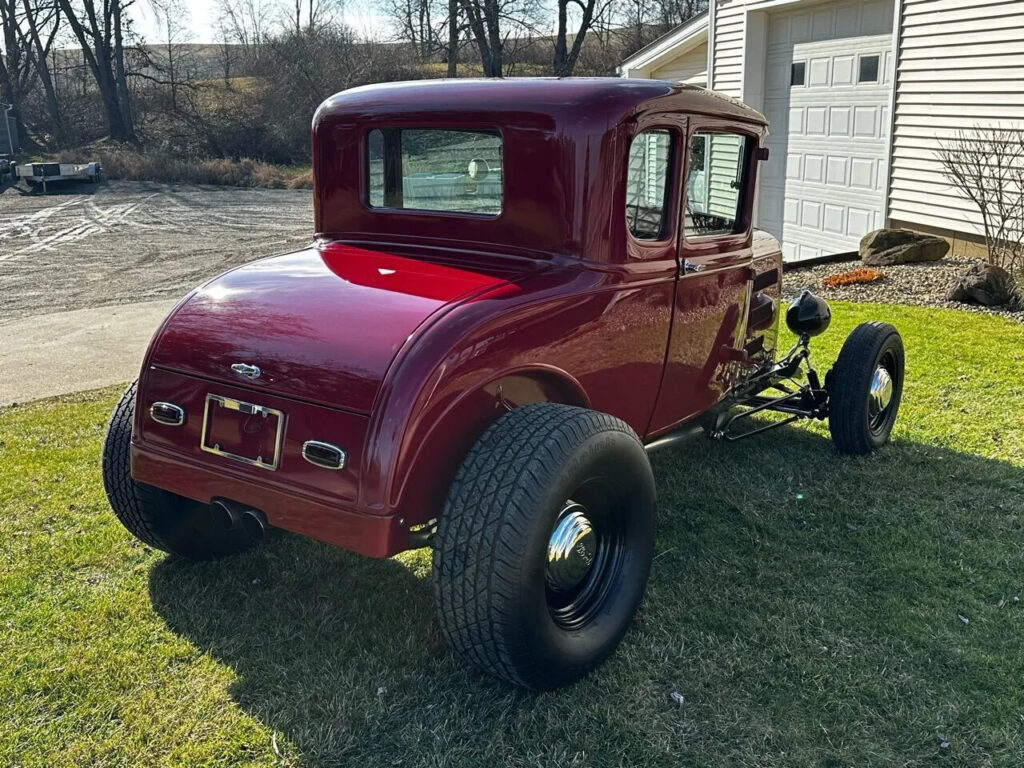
{"type": "Point", "coordinates": [866, 388]}
{"type": "Point", "coordinates": [545, 544]}
{"type": "Point", "coordinates": [154, 516]}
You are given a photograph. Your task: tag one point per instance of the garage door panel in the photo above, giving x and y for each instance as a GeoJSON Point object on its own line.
{"type": "Point", "coordinates": [834, 221]}
{"type": "Point", "coordinates": [814, 168]}
{"type": "Point", "coordinates": [837, 171]}
{"type": "Point", "coordinates": [839, 121]}
{"type": "Point", "coordinates": [842, 71]}
{"type": "Point", "coordinates": [819, 71]}
{"type": "Point", "coordinates": [830, 130]}
{"type": "Point", "coordinates": [816, 123]}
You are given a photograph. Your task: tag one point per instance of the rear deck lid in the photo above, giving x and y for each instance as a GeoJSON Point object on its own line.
{"type": "Point", "coordinates": [322, 324]}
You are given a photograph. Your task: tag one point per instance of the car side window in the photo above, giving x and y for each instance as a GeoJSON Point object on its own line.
{"type": "Point", "coordinates": [647, 184]}
{"type": "Point", "coordinates": [715, 183]}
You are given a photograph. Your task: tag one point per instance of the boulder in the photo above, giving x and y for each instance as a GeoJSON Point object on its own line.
{"type": "Point", "coordinates": [983, 284]}
{"type": "Point", "coordinates": [885, 247]}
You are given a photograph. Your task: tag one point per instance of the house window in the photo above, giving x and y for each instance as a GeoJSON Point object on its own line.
{"type": "Point", "coordinates": [798, 74]}
{"type": "Point", "coordinates": [434, 170]}
{"type": "Point", "coordinates": [868, 69]}
{"type": "Point", "coordinates": [647, 177]}
{"type": "Point", "coordinates": [716, 183]}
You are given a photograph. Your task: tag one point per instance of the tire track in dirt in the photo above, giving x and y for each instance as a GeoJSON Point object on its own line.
{"type": "Point", "coordinates": [130, 241]}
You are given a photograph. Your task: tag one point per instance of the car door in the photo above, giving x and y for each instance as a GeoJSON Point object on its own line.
{"type": "Point", "coordinates": [714, 269]}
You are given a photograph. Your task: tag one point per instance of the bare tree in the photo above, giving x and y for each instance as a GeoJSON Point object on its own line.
{"type": "Point", "coordinates": [986, 165]}
{"type": "Point", "coordinates": [417, 23]}
{"type": "Point", "coordinates": [28, 29]}
{"type": "Point", "coordinates": [311, 15]}
{"type": "Point", "coordinates": [566, 56]}
{"type": "Point", "coordinates": [173, 17]}
{"type": "Point", "coordinates": [16, 72]}
{"type": "Point", "coordinates": [645, 20]}
{"type": "Point", "coordinates": [42, 25]}
{"type": "Point", "coordinates": [453, 38]}
{"type": "Point", "coordinates": [244, 22]}
{"type": "Point", "coordinates": [492, 22]}
{"type": "Point", "coordinates": [100, 32]}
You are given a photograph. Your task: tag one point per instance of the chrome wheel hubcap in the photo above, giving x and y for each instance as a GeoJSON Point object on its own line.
{"type": "Point", "coordinates": [880, 394]}
{"type": "Point", "coordinates": [571, 548]}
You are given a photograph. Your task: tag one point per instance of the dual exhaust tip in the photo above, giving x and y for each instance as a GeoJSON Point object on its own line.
{"type": "Point", "coordinates": [231, 516]}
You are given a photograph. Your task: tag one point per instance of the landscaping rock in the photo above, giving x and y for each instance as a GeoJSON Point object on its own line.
{"type": "Point", "coordinates": [984, 284]}
{"type": "Point", "coordinates": [885, 247]}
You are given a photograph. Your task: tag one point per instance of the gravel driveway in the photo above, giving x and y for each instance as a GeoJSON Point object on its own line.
{"type": "Point", "coordinates": [122, 241]}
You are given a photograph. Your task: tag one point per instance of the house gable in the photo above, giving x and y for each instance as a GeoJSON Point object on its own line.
{"type": "Point", "coordinates": [680, 56]}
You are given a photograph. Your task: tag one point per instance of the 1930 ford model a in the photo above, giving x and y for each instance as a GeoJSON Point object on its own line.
{"type": "Point", "coordinates": [517, 290]}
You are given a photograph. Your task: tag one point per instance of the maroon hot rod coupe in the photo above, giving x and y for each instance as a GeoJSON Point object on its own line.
{"type": "Point", "coordinates": [517, 290]}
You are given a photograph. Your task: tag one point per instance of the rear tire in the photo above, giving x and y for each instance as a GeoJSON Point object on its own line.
{"type": "Point", "coordinates": [866, 388]}
{"type": "Point", "coordinates": [154, 516]}
{"type": "Point", "coordinates": [545, 544]}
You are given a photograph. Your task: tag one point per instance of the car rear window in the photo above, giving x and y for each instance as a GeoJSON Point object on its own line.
{"type": "Point", "coordinates": [431, 169]}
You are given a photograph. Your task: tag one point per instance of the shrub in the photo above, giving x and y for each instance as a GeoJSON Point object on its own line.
{"type": "Point", "coordinates": [986, 166]}
{"type": "Point", "coordinates": [853, 277]}
{"type": "Point", "coordinates": [131, 165]}
{"type": "Point", "coordinates": [302, 181]}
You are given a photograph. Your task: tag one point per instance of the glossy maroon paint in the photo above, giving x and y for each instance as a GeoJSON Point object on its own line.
{"type": "Point", "coordinates": [401, 335]}
{"type": "Point", "coordinates": [323, 324]}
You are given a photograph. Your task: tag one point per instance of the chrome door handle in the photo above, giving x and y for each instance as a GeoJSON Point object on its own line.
{"type": "Point", "coordinates": [688, 267]}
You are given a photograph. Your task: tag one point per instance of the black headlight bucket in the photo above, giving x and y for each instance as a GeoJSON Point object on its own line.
{"type": "Point", "coordinates": [808, 315]}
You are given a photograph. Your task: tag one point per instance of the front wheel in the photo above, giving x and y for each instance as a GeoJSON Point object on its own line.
{"type": "Point", "coordinates": [545, 544]}
{"type": "Point", "coordinates": [866, 388]}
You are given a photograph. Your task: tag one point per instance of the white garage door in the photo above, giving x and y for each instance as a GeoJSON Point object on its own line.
{"type": "Point", "coordinates": [827, 101]}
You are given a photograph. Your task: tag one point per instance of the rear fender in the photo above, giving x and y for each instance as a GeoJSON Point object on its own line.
{"type": "Point", "coordinates": [423, 475]}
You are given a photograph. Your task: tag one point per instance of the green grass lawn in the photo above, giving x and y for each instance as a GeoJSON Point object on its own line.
{"type": "Point", "coordinates": [808, 607]}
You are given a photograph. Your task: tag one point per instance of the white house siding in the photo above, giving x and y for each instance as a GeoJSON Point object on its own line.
{"type": "Point", "coordinates": [724, 163]}
{"type": "Point", "coordinates": [691, 68]}
{"type": "Point", "coordinates": [727, 72]}
{"type": "Point", "coordinates": [960, 64]}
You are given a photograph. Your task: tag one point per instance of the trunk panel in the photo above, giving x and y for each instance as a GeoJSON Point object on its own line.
{"type": "Point", "coordinates": [321, 324]}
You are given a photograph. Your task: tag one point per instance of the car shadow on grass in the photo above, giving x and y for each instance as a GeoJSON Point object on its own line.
{"type": "Point", "coordinates": [778, 562]}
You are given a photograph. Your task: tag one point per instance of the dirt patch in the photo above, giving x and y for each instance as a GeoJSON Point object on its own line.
{"type": "Point", "coordinates": [122, 241]}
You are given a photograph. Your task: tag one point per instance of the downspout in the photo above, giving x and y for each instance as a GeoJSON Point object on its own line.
{"type": "Point", "coordinates": [897, 43]}
{"type": "Point", "coordinates": [711, 43]}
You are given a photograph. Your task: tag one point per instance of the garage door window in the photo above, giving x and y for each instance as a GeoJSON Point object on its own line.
{"type": "Point", "coordinates": [715, 183]}
{"type": "Point", "coordinates": [647, 177]}
{"type": "Point", "coordinates": [798, 73]}
{"type": "Point", "coordinates": [868, 69]}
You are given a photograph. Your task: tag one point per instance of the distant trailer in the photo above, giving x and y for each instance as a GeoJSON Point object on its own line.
{"type": "Point", "coordinates": [35, 174]}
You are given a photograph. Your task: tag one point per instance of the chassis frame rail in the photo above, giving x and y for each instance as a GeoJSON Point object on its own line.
{"type": "Point", "coordinates": [799, 400]}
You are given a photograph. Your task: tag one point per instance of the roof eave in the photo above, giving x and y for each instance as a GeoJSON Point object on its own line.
{"type": "Point", "coordinates": [683, 38]}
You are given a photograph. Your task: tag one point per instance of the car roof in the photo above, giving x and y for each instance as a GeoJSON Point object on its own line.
{"type": "Point", "coordinates": [560, 98]}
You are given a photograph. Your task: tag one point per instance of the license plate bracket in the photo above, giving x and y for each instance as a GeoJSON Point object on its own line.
{"type": "Point", "coordinates": [242, 431]}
